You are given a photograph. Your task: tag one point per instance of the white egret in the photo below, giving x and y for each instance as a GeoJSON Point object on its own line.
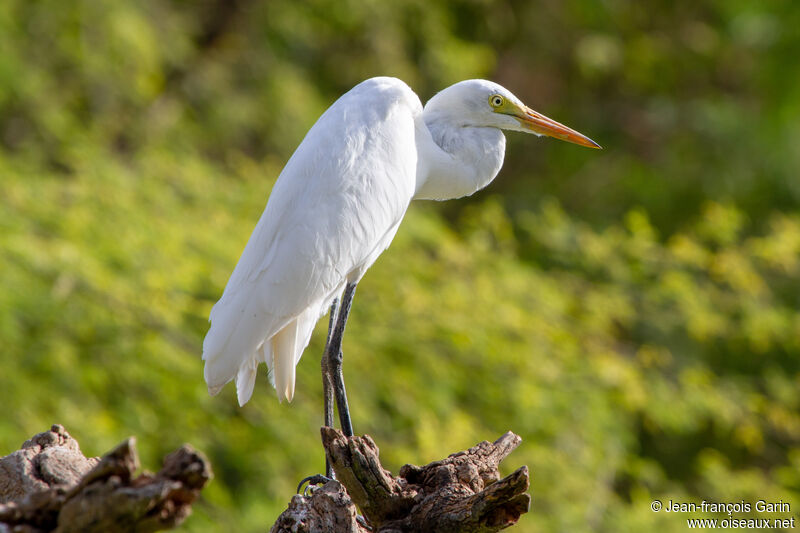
{"type": "Point", "coordinates": [337, 205]}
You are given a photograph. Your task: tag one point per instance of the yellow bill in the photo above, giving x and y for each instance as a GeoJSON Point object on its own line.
{"type": "Point", "coordinates": [538, 123]}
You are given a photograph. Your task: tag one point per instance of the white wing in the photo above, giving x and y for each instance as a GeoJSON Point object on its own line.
{"type": "Point", "coordinates": [335, 207]}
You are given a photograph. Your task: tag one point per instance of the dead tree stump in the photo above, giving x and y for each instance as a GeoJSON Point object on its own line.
{"type": "Point", "coordinates": [462, 493]}
{"type": "Point", "coordinates": [49, 485]}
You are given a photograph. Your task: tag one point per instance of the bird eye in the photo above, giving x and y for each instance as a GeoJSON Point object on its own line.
{"type": "Point", "coordinates": [495, 100]}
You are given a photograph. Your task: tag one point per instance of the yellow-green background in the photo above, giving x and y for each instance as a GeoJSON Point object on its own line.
{"type": "Point", "coordinates": [631, 313]}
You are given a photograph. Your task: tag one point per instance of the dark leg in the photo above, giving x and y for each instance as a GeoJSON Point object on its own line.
{"type": "Point", "coordinates": [327, 389]}
{"type": "Point", "coordinates": [327, 380]}
{"type": "Point", "coordinates": [335, 357]}
{"type": "Point", "coordinates": [332, 377]}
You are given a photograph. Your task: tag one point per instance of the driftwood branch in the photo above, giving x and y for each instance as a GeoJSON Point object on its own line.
{"type": "Point", "coordinates": [49, 485]}
{"type": "Point", "coordinates": [462, 493]}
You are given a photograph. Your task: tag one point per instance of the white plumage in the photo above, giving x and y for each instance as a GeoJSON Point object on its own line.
{"type": "Point", "coordinates": [337, 205]}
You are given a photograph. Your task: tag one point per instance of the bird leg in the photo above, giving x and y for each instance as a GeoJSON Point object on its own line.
{"type": "Point", "coordinates": [333, 379]}
{"type": "Point", "coordinates": [327, 390]}
{"type": "Point", "coordinates": [327, 380]}
{"type": "Point", "coordinates": [335, 356]}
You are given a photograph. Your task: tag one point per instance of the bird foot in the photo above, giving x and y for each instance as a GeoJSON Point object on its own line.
{"type": "Point", "coordinates": [316, 479]}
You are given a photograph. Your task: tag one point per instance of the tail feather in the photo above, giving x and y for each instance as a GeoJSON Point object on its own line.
{"type": "Point", "coordinates": [232, 341]}
{"type": "Point", "coordinates": [233, 349]}
{"type": "Point", "coordinates": [265, 353]}
{"type": "Point", "coordinates": [246, 380]}
{"type": "Point", "coordinates": [284, 345]}
{"type": "Point", "coordinates": [287, 348]}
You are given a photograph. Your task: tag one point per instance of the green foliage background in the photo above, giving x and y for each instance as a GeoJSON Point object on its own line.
{"type": "Point", "coordinates": [631, 313]}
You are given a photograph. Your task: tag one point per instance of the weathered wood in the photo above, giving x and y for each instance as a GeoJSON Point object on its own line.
{"type": "Point", "coordinates": [48, 460]}
{"type": "Point", "coordinates": [49, 485]}
{"type": "Point", "coordinates": [327, 508]}
{"type": "Point", "coordinates": [462, 493]}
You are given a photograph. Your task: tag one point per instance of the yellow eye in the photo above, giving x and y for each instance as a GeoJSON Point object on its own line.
{"type": "Point", "coordinates": [496, 100]}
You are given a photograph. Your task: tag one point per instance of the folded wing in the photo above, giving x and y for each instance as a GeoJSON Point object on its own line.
{"type": "Point", "coordinates": [333, 210]}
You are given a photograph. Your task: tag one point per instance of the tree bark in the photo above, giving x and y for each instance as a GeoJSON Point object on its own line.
{"type": "Point", "coordinates": [49, 485]}
{"type": "Point", "coordinates": [462, 493]}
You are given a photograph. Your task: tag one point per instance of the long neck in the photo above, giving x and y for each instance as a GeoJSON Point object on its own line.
{"type": "Point", "coordinates": [454, 160]}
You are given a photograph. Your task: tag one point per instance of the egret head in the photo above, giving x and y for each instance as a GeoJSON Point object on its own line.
{"type": "Point", "coordinates": [481, 103]}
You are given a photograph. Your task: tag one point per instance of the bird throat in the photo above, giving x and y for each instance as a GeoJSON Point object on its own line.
{"type": "Point", "coordinates": [463, 161]}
